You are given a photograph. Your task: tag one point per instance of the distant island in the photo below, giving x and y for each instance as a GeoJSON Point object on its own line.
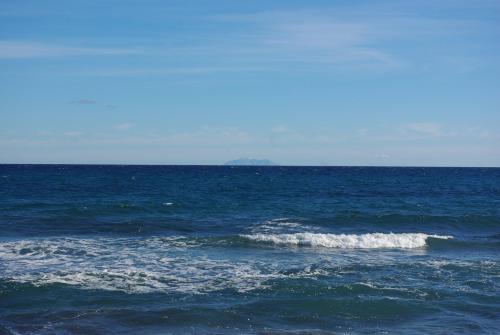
{"type": "Point", "coordinates": [250, 161]}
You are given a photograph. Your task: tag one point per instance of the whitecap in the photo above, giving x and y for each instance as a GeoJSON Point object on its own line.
{"type": "Point", "coordinates": [133, 265]}
{"type": "Point", "coordinates": [348, 241]}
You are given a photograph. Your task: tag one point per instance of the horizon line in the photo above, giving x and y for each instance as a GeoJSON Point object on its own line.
{"type": "Point", "coordinates": [265, 166]}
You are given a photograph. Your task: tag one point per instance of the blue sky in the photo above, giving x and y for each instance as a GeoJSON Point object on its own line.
{"type": "Point", "coordinates": [297, 82]}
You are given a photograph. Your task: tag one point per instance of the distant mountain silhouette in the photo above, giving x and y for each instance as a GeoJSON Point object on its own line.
{"type": "Point", "coordinates": [250, 161]}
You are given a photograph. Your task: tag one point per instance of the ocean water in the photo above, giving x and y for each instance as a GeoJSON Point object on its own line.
{"type": "Point", "coordinates": [249, 250]}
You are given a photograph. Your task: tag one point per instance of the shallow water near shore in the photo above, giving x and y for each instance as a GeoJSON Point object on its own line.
{"type": "Point", "coordinates": [259, 250]}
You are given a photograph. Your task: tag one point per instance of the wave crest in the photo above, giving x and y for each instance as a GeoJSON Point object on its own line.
{"type": "Point", "coordinates": [349, 241]}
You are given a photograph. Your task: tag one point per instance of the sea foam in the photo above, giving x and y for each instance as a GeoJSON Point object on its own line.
{"type": "Point", "coordinates": [348, 241]}
{"type": "Point", "coordinates": [134, 265]}
{"type": "Point", "coordinates": [178, 264]}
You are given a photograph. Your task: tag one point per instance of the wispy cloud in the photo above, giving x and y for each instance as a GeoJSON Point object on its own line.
{"type": "Point", "coordinates": [23, 49]}
{"type": "Point", "coordinates": [279, 129]}
{"type": "Point", "coordinates": [305, 37]}
{"type": "Point", "coordinates": [73, 133]}
{"type": "Point", "coordinates": [175, 71]}
{"type": "Point", "coordinates": [422, 128]}
{"type": "Point", "coordinates": [278, 136]}
{"type": "Point", "coordinates": [348, 37]}
{"type": "Point", "coordinates": [382, 156]}
{"type": "Point", "coordinates": [211, 136]}
{"type": "Point", "coordinates": [215, 144]}
{"type": "Point", "coordinates": [83, 102]}
{"type": "Point", "coordinates": [338, 37]}
{"type": "Point", "coordinates": [124, 126]}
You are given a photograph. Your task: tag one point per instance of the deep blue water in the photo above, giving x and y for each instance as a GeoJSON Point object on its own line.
{"type": "Point", "coordinates": [253, 250]}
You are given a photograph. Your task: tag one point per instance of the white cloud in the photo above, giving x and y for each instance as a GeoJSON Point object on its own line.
{"type": "Point", "coordinates": [306, 37]}
{"type": "Point", "coordinates": [361, 131]}
{"type": "Point", "coordinates": [73, 133]}
{"type": "Point", "coordinates": [422, 128]}
{"type": "Point", "coordinates": [382, 156]}
{"type": "Point", "coordinates": [174, 71]}
{"type": "Point", "coordinates": [83, 102]}
{"type": "Point", "coordinates": [207, 136]}
{"type": "Point", "coordinates": [358, 35]}
{"type": "Point", "coordinates": [124, 126]}
{"type": "Point", "coordinates": [279, 129]}
{"type": "Point", "coordinates": [22, 49]}
{"type": "Point", "coordinates": [456, 146]}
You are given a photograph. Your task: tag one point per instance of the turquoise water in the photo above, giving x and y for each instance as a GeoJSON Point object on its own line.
{"type": "Point", "coordinates": [253, 250]}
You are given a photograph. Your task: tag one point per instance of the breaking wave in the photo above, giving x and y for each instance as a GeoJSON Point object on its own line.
{"type": "Point", "coordinates": [349, 241]}
{"type": "Point", "coordinates": [132, 265]}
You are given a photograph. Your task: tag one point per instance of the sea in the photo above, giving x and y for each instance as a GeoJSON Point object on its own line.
{"type": "Point", "coordinates": [129, 249]}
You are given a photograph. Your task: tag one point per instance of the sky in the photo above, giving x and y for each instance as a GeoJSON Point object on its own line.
{"type": "Point", "coordinates": [405, 83]}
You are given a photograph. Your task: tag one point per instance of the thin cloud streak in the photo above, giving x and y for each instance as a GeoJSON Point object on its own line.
{"type": "Point", "coordinates": [124, 126]}
{"type": "Point", "coordinates": [22, 49]}
{"type": "Point", "coordinates": [83, 102]}
{"type": "Point", "coordinates": [73, 133]}
{"type": "Point", "coordinates": [422, 128]}
{"type": "Point", "coordinates": [272, 41]}
{"type": "Point", "coordinates": [277, 136]}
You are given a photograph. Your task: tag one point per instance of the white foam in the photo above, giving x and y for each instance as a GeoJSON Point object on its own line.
{"type": "Point", "coordinates": [348, 241]}
{"type": "Point", "coordinates": [135, 265]}
{"type": "Point", "coordinates": [178, 264]}
{"type": "Point", "coordinates": [279, 226]}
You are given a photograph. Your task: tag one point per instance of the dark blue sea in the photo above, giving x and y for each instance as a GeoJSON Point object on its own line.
{"type": "Point", "coordinates": [89, 249]}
